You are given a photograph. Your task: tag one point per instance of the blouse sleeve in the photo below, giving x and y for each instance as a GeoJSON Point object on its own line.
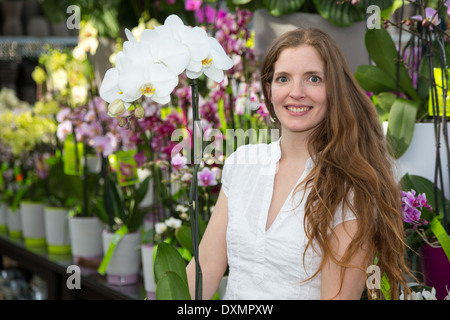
{"type": "Point", "coordinates": [226, 174]}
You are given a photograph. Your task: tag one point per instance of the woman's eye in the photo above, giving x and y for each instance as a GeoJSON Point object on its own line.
{"type": "Point", "coordinates": [282, 79]}
{"type": "Point", "coordinates": [315, 79]}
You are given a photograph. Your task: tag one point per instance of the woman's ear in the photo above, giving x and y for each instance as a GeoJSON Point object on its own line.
{"type": "Point", "coordinates": [269, 94]}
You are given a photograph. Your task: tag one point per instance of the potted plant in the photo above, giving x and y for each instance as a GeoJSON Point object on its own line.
{"type": "Point", "coordinates": [422, 218]}
{"type": "Point", "coordinates": [406, 87]}
{"type": "Point", "coordinates": [408, 83]}
{"type": "Point", "coordinates": [123, 216]}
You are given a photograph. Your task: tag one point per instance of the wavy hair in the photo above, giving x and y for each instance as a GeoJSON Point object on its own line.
{"type": "Point", "coordinates": [354, 168]}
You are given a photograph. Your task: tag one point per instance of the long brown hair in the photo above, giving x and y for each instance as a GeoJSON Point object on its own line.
{"type": "Point", "coordinates": [354, 168]}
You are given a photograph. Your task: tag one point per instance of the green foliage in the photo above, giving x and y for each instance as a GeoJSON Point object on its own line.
{"type": "Point", "coordinates": [384, 79]}
{"type": "Point", "coordinates": [170, 274]}
{"type": "Point", "coordinates": [341, 14]}
{"type": "Point", "coordinates": [120, 205]}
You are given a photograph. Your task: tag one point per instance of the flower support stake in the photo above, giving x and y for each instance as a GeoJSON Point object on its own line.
{"type": "Point", "coordinates": [193, 192]}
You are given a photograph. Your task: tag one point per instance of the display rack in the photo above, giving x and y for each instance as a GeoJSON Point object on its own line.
{"type": "Point", "coordinates": [12, 48]}
{"type": "Point", "coordinates": [53, 269]}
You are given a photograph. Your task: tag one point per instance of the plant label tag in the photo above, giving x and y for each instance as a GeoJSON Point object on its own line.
{"type": "Point", "coordinates": [437, 98]}
{"type": "Point", "coordinates": [72, 160]}
{"type": "Point", "coordinates": [126, 167]}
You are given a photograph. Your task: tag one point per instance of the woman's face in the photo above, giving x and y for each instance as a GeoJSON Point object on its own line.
{"type": "Point", "coordinates": [298, 91]}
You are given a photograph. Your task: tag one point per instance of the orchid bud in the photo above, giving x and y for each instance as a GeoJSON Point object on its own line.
{"type": "Point", "coordinates": [139, 112]}
{"type": "Point", "coordinates": [122, 122]}
{"type": "Point", "coordinates": [116, 108]}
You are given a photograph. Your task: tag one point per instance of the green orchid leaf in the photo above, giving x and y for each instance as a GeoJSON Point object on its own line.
{"type": "Point", "coordinates": [423, 81]}
{"type": "Point", "coordinates": [169, 259]}
{"type": "Point", "coordinates": [374, 79]}
{"type": "Point", "coordinates": [382, 4]}
{"type": "Point", "coordinates": [142, 190]}
{"type": "Point", "coordinates": [172, 287]}
{"type": "Point", "coordinates": [241, 2]}
{"type": "Point", "coordinates": [385, 100]}
{"type": "Point", "coordinates": [281, 7]}
{"type": "Point", "coordinates": [382, 50]}
{"type": "Point", "coordinates": [344, 14]}
{"type": "Point", "coordinates": [184, 235]}
{"type": "Point", "coordinates": [401, 123]}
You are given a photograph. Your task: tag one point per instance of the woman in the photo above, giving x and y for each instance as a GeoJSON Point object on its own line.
{"type": "Point", "coordinates": [305, 216]}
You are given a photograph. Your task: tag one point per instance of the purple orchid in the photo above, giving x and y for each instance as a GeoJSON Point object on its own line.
{"type": "Point", "coordinates": [412, 207]}
{"type": "Point", "coordinates": [431, 17]}
{"type": "Point", "coordinates": [207, 177]}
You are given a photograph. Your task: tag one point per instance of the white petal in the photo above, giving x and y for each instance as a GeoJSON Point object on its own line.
{"type": "Point", "coordinates": [197, 41]}
{"type": "Point", "coordinates": [195, 66]}
{"type": "Point", "coordinates": [109, 88]}
{"type": "Point", "coordinates": [130, 36]}
{"type": "Point", "coordinates": [193, 75]}
{"type": "Point", "coordinates": [131, 81]}
{"type": "Point", "coordinates": [220, 58]}
{"type": "Point", "coordinates": [161, 100]}
{"type": "Point", "coordinates": [214, 74]}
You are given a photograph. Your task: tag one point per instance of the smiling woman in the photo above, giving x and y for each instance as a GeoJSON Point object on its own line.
{"type": "Point", "coordinates": [318, 206]}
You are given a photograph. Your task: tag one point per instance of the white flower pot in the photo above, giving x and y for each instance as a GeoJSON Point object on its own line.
{"type": "Point", "coordinates": [147, 252]}
{"type": "Point", "coordinates": [86, 238]}
{"type": "Point", "coordinates": [57, 230]}
{"type": "Point", "coordinates": [94, 163]}
{"type": "Point", "coordinates": [14, 223]}
{"type": "Point", "coordinates": [33, 225]}
{"type": "Point", "coordinates": [123, 268]}
{"type": "Point", "coordinates": [3, 218]}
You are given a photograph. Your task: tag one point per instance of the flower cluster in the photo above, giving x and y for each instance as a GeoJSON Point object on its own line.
{"type": "Point", "coordinates": [412, 207]}
{"type": "Point", "coordinates": [151, 67]}
{"type": "Point", "coordinates": [427, 293]}
{"type": "Point", "coordinates": [91, 125]}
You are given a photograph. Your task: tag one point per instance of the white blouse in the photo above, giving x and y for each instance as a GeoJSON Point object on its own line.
{"type": "Point", "coordinates": [266, 264]}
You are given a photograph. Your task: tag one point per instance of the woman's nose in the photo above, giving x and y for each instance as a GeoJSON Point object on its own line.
{"type": "Point", "coordinates": [297, 90]}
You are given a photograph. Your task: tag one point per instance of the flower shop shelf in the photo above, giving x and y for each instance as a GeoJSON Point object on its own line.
{"type": "Point", "coordinates": [13, 48]}
{"type": "Point", "coordinates": [55, 271]}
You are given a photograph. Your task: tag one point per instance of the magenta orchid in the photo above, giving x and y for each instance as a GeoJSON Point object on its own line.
{"type": "Point", "coordinates": [412, 207]}
{"type": "Point", "coordinates": [207, 177]}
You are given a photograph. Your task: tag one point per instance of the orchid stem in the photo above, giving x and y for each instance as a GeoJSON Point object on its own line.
{"type": "Point", "coordinates": [193, 194]}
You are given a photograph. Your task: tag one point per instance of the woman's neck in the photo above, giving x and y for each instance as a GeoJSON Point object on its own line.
{"type": "Point", "coordinates": [294, 148]}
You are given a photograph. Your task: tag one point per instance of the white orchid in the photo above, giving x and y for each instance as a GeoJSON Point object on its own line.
{"type": "Point", "coordinates": [194, 39]}
{"type": "Point", "coordinates": [160, 227]}
{"type": "Point", "coordinates": [214, 64]}
{"type": "Point", "coordinates": [151, 66]}
{"type": "Point", "coordinates": [173, 223]}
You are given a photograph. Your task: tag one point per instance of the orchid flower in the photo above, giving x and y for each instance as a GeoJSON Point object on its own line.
{"type": "Point", "coordinates": [194, 39]}
{"type": "Point", "coordinates": [207, 177]}
{"type": "Point", "coordinates": [431, 16]}
{"type": "Point", "coordinates": [214, 64]}
{"type": "Point", "coordinates": [150, 67]}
